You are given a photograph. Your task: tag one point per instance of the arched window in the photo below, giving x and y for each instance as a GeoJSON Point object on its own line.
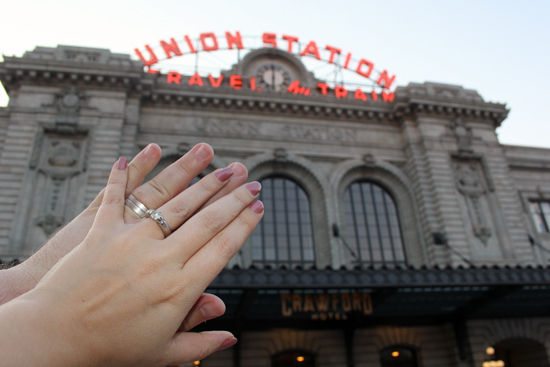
{"type": "Point", "coordinates": [372, 225]}
{"type": "Point", "coordinates": [520, 352]}
{"type": "Point", "coordinates": [398, 356]}
{"type": "Point", "coordinates": [284, 235]}
{"type": "Point", "coordinates": [293, 359]}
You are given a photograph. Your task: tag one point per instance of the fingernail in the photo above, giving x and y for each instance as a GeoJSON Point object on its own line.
{"type": "Point", "coordinates": [254, 188]}
{"type": "Point", "coordinates": [224, 174]}
{"type": "Point", "coordinates": [201, 151]}
{"type": "Point", "coordinates": [147, 150]}
{"type": "Point", "coordinates": [209, 311]}
{"type": "Point", "coordinates": [238, 169]}
{"type": "Point", "coordinates": [122, 163]}
{"type": "Point", "coordinates": [228, 343]}
{"type": "Point", "coordinates": [257, 207]}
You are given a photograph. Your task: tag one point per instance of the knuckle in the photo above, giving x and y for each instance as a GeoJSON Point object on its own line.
{"type": "Point", "coordinates": [183, 167]}
{"type": "Point", "coordinates": [225, 246]}
{"type": "Point", "coordinates": [113, 200]}
{"type": "Point", "coordinates": [213, 221]}
{"type": "Point", "coordinates": [180, 209]}
{"type": "Point", "coordinates": [242, 198]}
{"type": "Point", "coordinates": [243, 222]}
{"type": "Point", "coordinates": [204, 351]}
{"type": "Point", "coordinates": [159, 188]}
{"type": "Point", "coordinates": [209, 185]}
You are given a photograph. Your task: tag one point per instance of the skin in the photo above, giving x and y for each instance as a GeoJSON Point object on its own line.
{"type": "Point", "coordinates": [170, 182]}
{"type": "Point", "coordinates": [119, 298]}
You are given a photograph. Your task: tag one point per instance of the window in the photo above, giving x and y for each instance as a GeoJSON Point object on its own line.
{"type": "Point", "coordinates": [540, 210]}
{"type": "Point", "coordinates": [292, 359]}
{"type": "Point", "coordinates": [372, 225]}
{"type": "Point", "coordinates": [398, 357]}
{"type": "Point", "coordinates": [284, 235]}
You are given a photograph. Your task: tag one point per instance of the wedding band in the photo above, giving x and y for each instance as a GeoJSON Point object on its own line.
{"type": "Point", "coordinates": [136, 206]}
{"type": "Point", "coordinates": [157, 217]}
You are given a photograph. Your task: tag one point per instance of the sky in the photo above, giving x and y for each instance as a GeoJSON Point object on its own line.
{"type": "Point", "coordinates": [498, 47]}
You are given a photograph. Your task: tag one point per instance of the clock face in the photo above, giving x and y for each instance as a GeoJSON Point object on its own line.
{"type": "Point", "coordinates": [273, 77]}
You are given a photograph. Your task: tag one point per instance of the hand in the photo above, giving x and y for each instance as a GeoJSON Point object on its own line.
{"type": "Point", "coordinates": [119, 298]}
{"type": "Point", "coordinates": [22, 278]}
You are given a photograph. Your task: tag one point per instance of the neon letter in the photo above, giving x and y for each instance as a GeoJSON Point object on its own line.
{"type": "Point", "coordinates": [374, 96]}
{"type": "Point", "coordinates": [294, 87]}
{"type": "Point", "coordinates": [196, 79]}
{"type": "Point", "coordinates": [340, 92]}
{"type": "Point", "coordinates": [171, 47]}
{"type": "Point", "coordinates": [363, 73]}
{"type": "Point", "coordinates": [190, 44]}
{"type": "Point", "coordinates": [212, 36]}
{"type": "Point", "coordinates": [215, 83]}
{"type": "Point", "coordinates": [346, 63]}
{"type": "Point", "coordinates": [311, 48]}
{"type": "Point", "coordinates": [252, 83]}
{"type": "Point", "coordinates": [173, 77]}
{"type": "Point", "coordinates": [323, 87]}
{"type": "Point", "coordinates": [290, 40]}
{"type": "Point", "coordinates": [387, 97]}
{"type": "Point", "coordinates": [359, 94]}
{"type": "Point", "coordinates": [236, 81]}
{"type": "Point", "coordinates": [237, 41]}
{"type": "Point", "coordinates": [333, 51]}
{"type": "Point", "coordinates": [153, 60]}
{"type": "Point", "coordinates": [269, 38]}
{"type": "Point", "coordinates": [385, 80]}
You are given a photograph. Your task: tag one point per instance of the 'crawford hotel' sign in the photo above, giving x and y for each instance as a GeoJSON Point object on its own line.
{"type": "Point", "coordinates": [209, 42]}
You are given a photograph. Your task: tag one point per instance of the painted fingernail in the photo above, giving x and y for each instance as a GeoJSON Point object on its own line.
{"type": "Point", "coordinates": [122, 163]}
{"type": "Point", "coordinates": [224, 174]}
{"type": "Point", "coordinates": [201, 151]}
{"type": "Point", "coordinates": [209, 311]}
{"type": "Point", "coordinates": [257, 207]}
{"type": "Point", "coordinates": [254, 188]}
{"type": "Point", "coordinates": [228, 343]}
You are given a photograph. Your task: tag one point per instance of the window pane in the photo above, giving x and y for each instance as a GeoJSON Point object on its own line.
{"type": "Point", "coordinates": [285, 232]}
{"type": "Point", "coordinates": [540, 211]}
{"type": "Point", "coordinates": [372, 224]}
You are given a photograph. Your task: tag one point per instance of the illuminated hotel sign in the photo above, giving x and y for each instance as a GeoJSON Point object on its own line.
{"type": "Point", "coordinates": [209, 42]}
{"type": "Point", "coordinates": [323, 306]}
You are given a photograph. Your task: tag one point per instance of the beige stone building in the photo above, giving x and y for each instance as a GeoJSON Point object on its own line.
{"type": "Point", "coordinates": [398, 232]}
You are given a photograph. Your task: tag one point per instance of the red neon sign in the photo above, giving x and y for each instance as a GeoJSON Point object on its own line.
{"type": "Point", "coordinates": [209, 42]}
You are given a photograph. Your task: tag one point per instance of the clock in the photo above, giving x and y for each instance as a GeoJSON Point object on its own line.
{"type": "Point", "coordinates": [272, 77]}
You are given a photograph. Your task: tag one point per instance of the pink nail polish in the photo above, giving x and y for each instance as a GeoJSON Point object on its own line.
{"type": "Point", "coordinates": [224, 174]}
{"type": "Point", "coordinates": [257, 207]}
{"type": "Point", "coordinates": [228, 343]}
{"type": "Point", "coordinates": [201, 151]}
{"type": "Point", "coordinates": [122, 163]}
{"type": "Point", "coordinates": [254, 188]}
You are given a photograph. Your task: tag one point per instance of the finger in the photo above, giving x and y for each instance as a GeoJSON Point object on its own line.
{"type": "Point", "coordinates": [240, 174]}
{"type": "Point", "coordinates": [187, 347]}
{"type": "Point", "coordinates": [111, 209]}
{"type": "Point", "coordinates": [184, 205]}
{"type": "Point", "coordinates": [201, 269]}
{"type": "Point", "coordinates": [207, 223]}
{"type": "Point", "coordinates": [141, 165]}
{"type": "Point", "coordinates": [174, 179]}
{"type": "Point", "coordinates": [207, 307]}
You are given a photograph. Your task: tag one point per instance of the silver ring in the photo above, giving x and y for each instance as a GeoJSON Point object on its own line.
{"type": "Point", "coordinates": [136, 206]}
{"type": "Point", "coordinates": [157, 217]}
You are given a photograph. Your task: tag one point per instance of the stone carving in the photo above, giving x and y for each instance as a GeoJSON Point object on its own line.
{"type": "Point", "coordinates": [280, 154]}
{"type": "Point", "coordinates": [470, 184]}
{"type": "Point", "coordinates": [369, 160]}
{"type": "Point", "coordinates": [463, 134]}
{"type": "Point", "coordinates": [319, 133]}
{"type": "Point", "coordinates": [182, 148]}
{"type": "Point", "coordinates": [68, 105]}
{"type": "Point", "coordinates": [227, 127]}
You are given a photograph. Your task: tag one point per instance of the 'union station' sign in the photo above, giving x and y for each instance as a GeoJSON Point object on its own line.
{"type": "Point", "coordinates": [209, 42]}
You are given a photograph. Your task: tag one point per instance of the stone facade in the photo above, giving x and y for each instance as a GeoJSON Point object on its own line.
{"type": "Point", "coordinates": [73, 111]}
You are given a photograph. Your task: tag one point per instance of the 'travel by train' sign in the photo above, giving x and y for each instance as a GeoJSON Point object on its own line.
{"type": "Point", "coordinates": [209, 42]}
{"type": "Point", "coordinates": [324, 306]}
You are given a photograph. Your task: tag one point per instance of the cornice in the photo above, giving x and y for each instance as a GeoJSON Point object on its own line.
{"type": "Point", "coordinates": [380, 278]}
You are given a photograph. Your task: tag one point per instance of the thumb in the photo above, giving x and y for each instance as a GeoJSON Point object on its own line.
{"type": "Point", "coordinates": [186, 347]}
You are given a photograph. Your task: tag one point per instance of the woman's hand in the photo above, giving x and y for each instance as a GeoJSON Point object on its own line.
{"type": "Point", "coordinates": [120, 297]}
{"type": "Point", "coordinates": [170, 182]}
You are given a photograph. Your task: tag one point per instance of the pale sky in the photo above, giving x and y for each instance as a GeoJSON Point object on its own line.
{"type": "Point", "coordinates": [498, 47]}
